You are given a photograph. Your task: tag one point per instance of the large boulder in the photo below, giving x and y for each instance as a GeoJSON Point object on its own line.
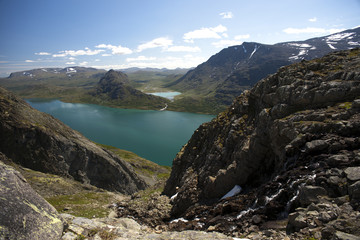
{"type": "Point", "coordinates": [24, 213]}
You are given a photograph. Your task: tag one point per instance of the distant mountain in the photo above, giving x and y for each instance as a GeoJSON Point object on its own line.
{"type": "Point", "coordinates": [40, 73]}
{"type": "Point", "coordinates": [226, 74]}
{"type": "Point", "coordinates": [114, 88]}
{"type": "Point", "coordinates": [159, 70]}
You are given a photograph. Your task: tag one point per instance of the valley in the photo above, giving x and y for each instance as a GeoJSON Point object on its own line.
{"type": "Point", "coordinates": [280, 160]}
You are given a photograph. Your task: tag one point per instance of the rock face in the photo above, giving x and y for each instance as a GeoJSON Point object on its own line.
{"type": "Point", "coordinates": [24, 214]}
{"type": "Point", "coordinates": [291, 141]}
{"type": "Point", "coordinates": [114, 88]}
{"type": "Point", "coordinates": [38, 141]}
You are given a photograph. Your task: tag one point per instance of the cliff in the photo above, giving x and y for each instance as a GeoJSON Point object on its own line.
{"type": "Point", "coordinates": [38, 141]}
{"type": "Point", "coordinates": [291, 141]}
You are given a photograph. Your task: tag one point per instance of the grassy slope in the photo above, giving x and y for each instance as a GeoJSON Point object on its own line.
{"type": "Point", "coordinates": [69, 196]}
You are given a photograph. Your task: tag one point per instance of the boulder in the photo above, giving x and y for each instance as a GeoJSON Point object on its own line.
{"type": "Point", "coordinates": [310, 194]}
{"type": "Point", "coordinates": [24, 214]}
{"type": "Point", "coordinates": [353, 173]}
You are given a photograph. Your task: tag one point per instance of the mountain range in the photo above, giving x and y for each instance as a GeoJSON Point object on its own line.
{"type": "Point", "coordinates": [208, 88]}
{"type": "Point", "coordinates": [228, 73]}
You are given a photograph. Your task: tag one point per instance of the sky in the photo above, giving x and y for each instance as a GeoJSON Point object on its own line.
{"type": "Point", "coordinates": [119, 34]}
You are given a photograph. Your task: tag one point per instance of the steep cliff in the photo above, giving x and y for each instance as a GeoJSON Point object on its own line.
{"type": "Point", "coordinates": [291, 138]}
{"type": "Point", "coordinates": [38, 141]}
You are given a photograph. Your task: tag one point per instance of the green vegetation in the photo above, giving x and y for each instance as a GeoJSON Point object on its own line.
{"type": "Point", "coordinates": [69, 196]}
{"type": "Point", "coordinates": [152, 172]}
{"type": "Point", "coordinates": [83, 204]}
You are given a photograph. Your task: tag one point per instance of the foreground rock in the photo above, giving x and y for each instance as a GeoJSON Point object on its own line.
{"type": "Point", "coordinates": [125, 228]}
{"type": "Point", "coordinates": [291, 142]}
{"type": "Point", "coordinates": [40, 142]}
{"type": "Point", "coordinates": [24, 214]}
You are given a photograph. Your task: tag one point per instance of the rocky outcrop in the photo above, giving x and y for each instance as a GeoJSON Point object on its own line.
{"type": "Point", "coordinates": [24, 214]}
{"type": "Point", "coordinates": [38, 141]}
{"type": "Point", "coordinates": [114, 88]}
{"type": "Point", "coordinates": [291, 141]}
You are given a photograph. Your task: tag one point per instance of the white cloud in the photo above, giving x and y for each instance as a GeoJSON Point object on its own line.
{"type": "Point", "coordinates": [187, 61]}
{"type": "Point", "coordinates": [140, 58]}
{"type": "Point", "coordinates": [29, 61]}
{"type": "Point", "coordinates": [245, 36]}
{"type": "Point", "coordinates": [226, 43]}
{"type": "Point", "coordinates": [314, 19]}
{"type": "Point", "coordinates": [43, 53]}
{"type": "Point", "coordinates": [227, 15]}
{"type": "Point", "coordinates": [163, 42]}
{"type": "Point", "coordinates": [74, 53]}
{"type": "Point", "coordinates": [72, 58]}
{"type": "Point", "coordinates": [204, 33]}
{"type": "Point", "coordinates": [311, 30]}
{"type": "Point", "coordinates": [70, 63]}
{"type": "Point", "coordinates": [115, 50]}
{"type": "Point", "coordinates": [106, 55]}
{"type": "Point", "coordinates": [83, 63]}
{"type": "Point", "coordinates": [183, 49]}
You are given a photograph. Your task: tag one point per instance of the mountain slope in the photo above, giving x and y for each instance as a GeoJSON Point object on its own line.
{"type": "Point", "coordinates": [234, 69]}
{"type": "Point", "coordinates": [38, 141]}
{"type": "Point", "coordinates": [292, 138]}
{"type": "Point", "coordinates": [114, 89]}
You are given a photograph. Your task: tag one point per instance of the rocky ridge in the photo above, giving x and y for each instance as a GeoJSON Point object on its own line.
{"type": "Point", "coordinates": [40, 142]}
{"type": "Point", "coordinates": [291, 143]}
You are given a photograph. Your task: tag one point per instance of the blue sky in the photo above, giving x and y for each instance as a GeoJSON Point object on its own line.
{"type": "Point", "coordinates": [155, 33]}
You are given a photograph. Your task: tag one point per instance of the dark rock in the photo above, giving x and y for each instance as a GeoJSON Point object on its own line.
{"type": "Point", "coordinates": [354, 191]}
{"type": "Point", "coordinates": [24, 214]}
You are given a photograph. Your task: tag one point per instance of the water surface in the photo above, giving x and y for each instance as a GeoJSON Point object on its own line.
{"type": "Point", "coordinates": [154, 135]}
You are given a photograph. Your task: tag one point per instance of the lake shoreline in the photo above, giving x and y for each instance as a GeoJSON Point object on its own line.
{"type": "Point", "coordinates": [152, 134]}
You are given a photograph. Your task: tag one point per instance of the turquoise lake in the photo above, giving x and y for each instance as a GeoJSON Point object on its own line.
{"type": "Point", "coordinates": [155, 135]}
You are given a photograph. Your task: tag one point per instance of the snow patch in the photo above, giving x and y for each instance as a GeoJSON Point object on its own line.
{"type": "Point", "coordinates": [244, 49]}
{"type": "Point", "coordinates": [302, 45]}
{"type": "Point", "coordinates": [44, 70]}
{"type": "Point", "coordinates": [331, 46]}
{"type": "Point", "coordinates": [236, 190]}
{"type": "Point", "coordinates": [354, 43]}
{"type": "Point", "coordinates": [174, 196]}
{"type": "Point", "coordinates": [70, 70]}
{"type": "Point", "coordinates": [255, 49]}
{"type": "Point", "coordinates": [179, 219]}
{"type": "Point", "coordinates": [339, 36]}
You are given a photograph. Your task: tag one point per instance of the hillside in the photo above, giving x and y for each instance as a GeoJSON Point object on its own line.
{"type": "Point", "coordinates": [234, 69]}
{"type": "Point", "coordinates": [40, 142]}
{"type": "Point", "coordinates": [114, 89]}
{"type": "Point", "coordinates": [291, 141]}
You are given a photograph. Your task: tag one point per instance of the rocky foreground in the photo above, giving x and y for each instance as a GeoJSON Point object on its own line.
{"type": "Point", "coordinates": [291, 144]}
